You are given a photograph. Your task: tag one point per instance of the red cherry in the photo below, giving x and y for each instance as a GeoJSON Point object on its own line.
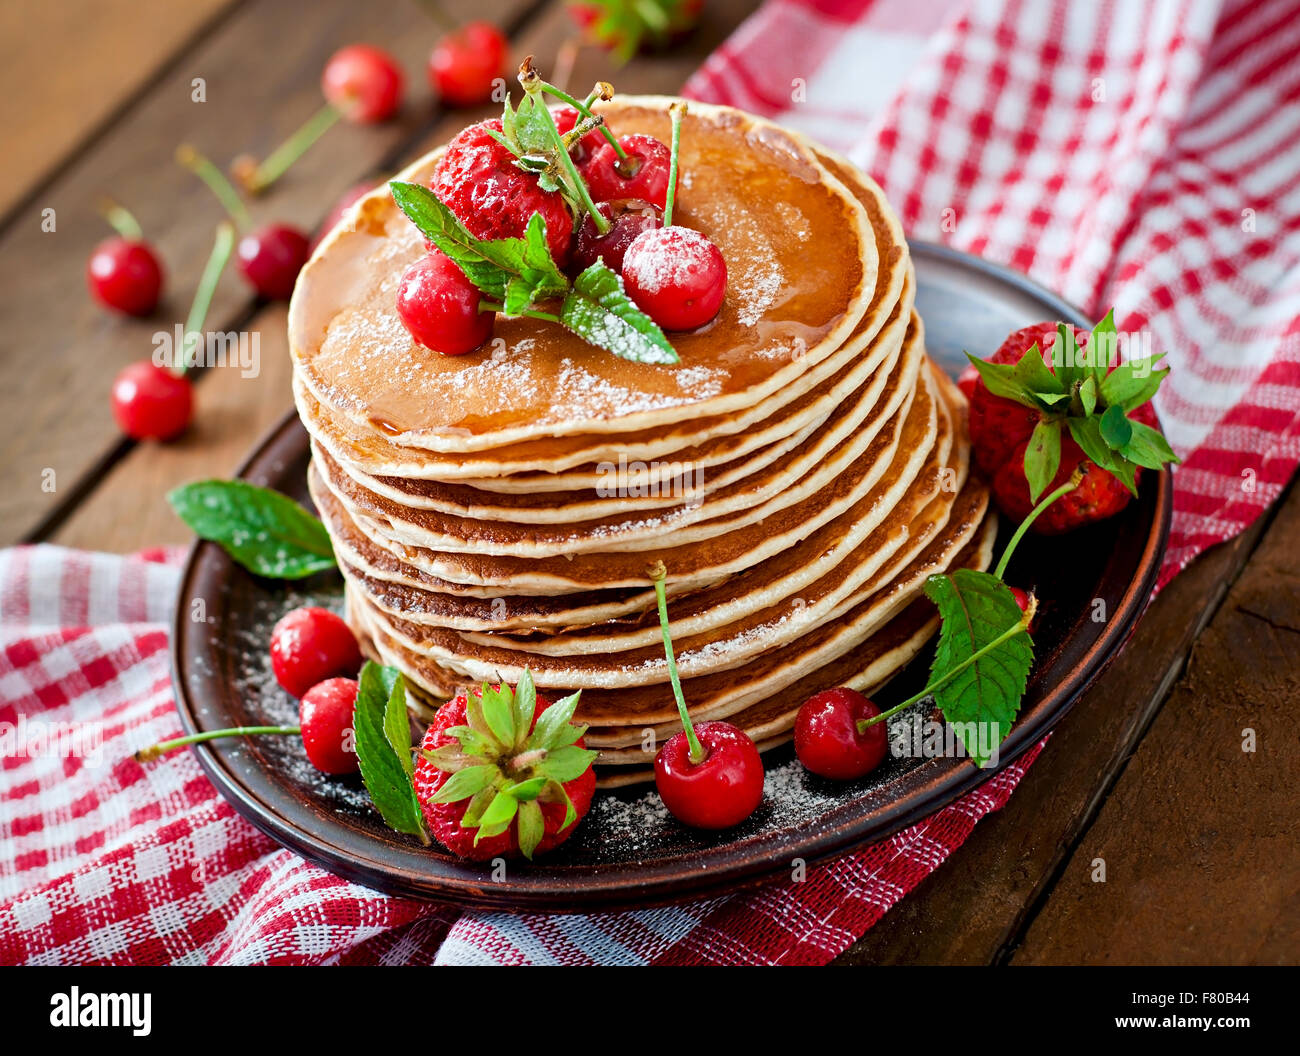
{"type": "Point", "coordinates": [719, 792]}
{"type": "Point", "coordinates": [325, 715]}
{"type": "Point", "coordinates": [1022, 599]}
{"type": "Point", "coordinates": [464, 64]}
{"type": "Point", "coordinates": [642, 174]}
{"type": "Point", "coordinates": [151, 403]}
{"type": "Point", "coordinates": [966, 381]}
{"type": "Point", "coordinates": [363, 83]}
{"type": "Point", "coordinates": [565, 118]}
{"type": "Point", "coordinates": [346, 200]}
{"type": "Point", "coordinates": [125, 274]}
{"type": "Point", "coordinates": [676, 276]}
{"type": "Point", "coordinates": [270, 259]}
{"type": "Point", "coordinates": [309, 645]}
{"type": "Point", "coordinates": [826, 736]}
{"type": "Point", "coordinates": [440, 306]}
{"type": "Point", "coordinates": [627, 220]}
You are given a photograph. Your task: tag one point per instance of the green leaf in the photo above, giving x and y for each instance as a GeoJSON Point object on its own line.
{"type": "Point", "coordinates": [480, 801]}
{"type": "Point", "coordinates": [499, 713]}
{"type": "Point", "coordinates": [599, 310]}
{"type": "Point", "coordinates": [1043, 456]}
{"type": "Point", "coordinates": [440, 226]}
{"type": "Point", "coordinates": [471, 741]}
{"type": "Point", "coordinates": [1087, 434]}
{"type": "Point", "coordinates": [525, 790]}
{"type": "Point", "coordinates": [1115, 428]}
{"type": "Point", "coordinates": [383, 769]}
{"type": "Point", "coordinates": [1133, 383]}
{"type": "Point", "coordinates": [553, 721]}
{"type": "Point", "coordinates": [976, 608]}
{"type": "Point", "coordinates": [1031, 372]}
{"type": "Point", "coordinates": [266, 532]}
{"type": "Point", "coordinates": [466, 783]}
{"type": "Point", "coordinates": [525, 706]}
{"type": "Point", "coordinates": [452, 757]}
{"type": "Point", "coordinates": [566, 764]}
{"type": "Point", "coordinates": [1102, 345]}
{"type": "Point", "coordinates": [1088, 394]}
{"type": "Point", "coordinates": [1147, 447]}
{"type": "Point", "coordinates": [397, 725]}
{"type": "Point", "coordinates": [532, 827]}
{"type": "Point", "coordinates": [1067, 361]}
{"type": "Point", "coordinates": [498, 816]}
{"type": "Point", "coordinates": [1001, 380]}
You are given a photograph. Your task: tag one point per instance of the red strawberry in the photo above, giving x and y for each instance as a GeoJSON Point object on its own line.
{"type": "Point", "coordinates": [998, 425]}
{"type": "Point", "coordinates": [492, 789]}
{"type": "Point", "coordinates": [1098, 496]}
{"type": "Point", "coordinates": [478, 180]}
{"type": "Point", "coordinates": [1031, 426]}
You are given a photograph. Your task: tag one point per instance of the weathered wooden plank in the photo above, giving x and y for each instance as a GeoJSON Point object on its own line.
{"type": "Point", "coordinates": [971, 908]}
{"type": "Point", "coordinates": [1199, 837]}
{"type": "Point", "coordinates": [262, 68]}
{"type": "Point", "coordinates": [67, 67]}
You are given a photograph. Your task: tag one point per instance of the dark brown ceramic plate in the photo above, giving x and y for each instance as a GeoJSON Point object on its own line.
{"type": "Point", "coordinates": [628, 852]}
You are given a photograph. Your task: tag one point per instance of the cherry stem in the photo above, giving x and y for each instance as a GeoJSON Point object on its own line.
{"type": "Point", "coordinates": [531, 83]}
{"type": "Point", "coordinates": [217, 259]}
{"type": "Point", "coordinates": [277, 163]}
{"type": "Point", "coordinates": [1075, 478]}
{"type": "Point", "coordinates": [217, 183]}
{"type": "Point", "coordinates": [492, 306]}
{"type": "Point", "coordinates": [119, 218]}
{"type": "Point", "coordinates": [145, 755]}
{"type": "Point", "coordinates": [677, 111]}
{"type": "Point", "coordinates": [697, 753]}
{"type": "Point", "coordinates": [435, 12]}
{"type": "Point", "coordinates": [1020, 627]}
{"type": "Point", "coordinates": [585, 110]}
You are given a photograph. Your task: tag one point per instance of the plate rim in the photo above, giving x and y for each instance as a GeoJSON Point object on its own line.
{"type": "Point", "coordinates": [625, 885]}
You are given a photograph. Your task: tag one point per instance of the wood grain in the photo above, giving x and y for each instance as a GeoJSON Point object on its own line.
{"type": "Point", "coordinates": [67, 67]}
{"type": "Point", "coordinates": [1200, 838]}
{"type": "Point", "coordinates": [58, 350]}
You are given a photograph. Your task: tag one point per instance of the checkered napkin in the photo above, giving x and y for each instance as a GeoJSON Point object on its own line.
{"type": "Point", "coordinates": [1140, 154]}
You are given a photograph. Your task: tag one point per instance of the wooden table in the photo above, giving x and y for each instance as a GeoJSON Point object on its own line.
{"type": "Point", "coordinates": [1147, 773]}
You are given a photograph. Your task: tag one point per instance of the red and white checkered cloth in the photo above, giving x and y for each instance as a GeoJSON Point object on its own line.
{"type": "Point", "coordinates": [1145, 154]}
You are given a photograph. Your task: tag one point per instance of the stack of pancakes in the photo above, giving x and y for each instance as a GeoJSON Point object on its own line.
{"type": "Point", "coordinates": [799, 474]}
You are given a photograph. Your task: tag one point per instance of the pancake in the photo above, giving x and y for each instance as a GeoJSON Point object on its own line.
{"type": "Point", "coordinates": [786, 309]}
{"type": "Point", "coordinates": [799, 474]}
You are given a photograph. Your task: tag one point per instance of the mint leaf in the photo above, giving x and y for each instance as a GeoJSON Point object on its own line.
{"type": "Point", "coordinates": [1147, 447]}
{"type": "Point", "coordinates": [397, 726]}
{"type": "Point", "coordinates": [1043, 456]}
{"type": "Point", "coordinates": [383, 770]}
{"type": "Point", "coordinates": [1115, 428]}
{"type": "Point", "coordinates": [976, 608]}
{"type": "Point", "coordinates": [599, 310]}
{"type": "Point", "coordinates": [266, 532]}
{"type": "Point", "coordinates": [440, 226]}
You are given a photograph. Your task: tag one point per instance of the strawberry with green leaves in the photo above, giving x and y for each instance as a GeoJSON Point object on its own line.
{"type": "Point", "coordinates": [502, 773]}
{"type": "Point", "coordinates": [1051, 400]}
{"type": "Point", "coordinates": [628, 26]}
